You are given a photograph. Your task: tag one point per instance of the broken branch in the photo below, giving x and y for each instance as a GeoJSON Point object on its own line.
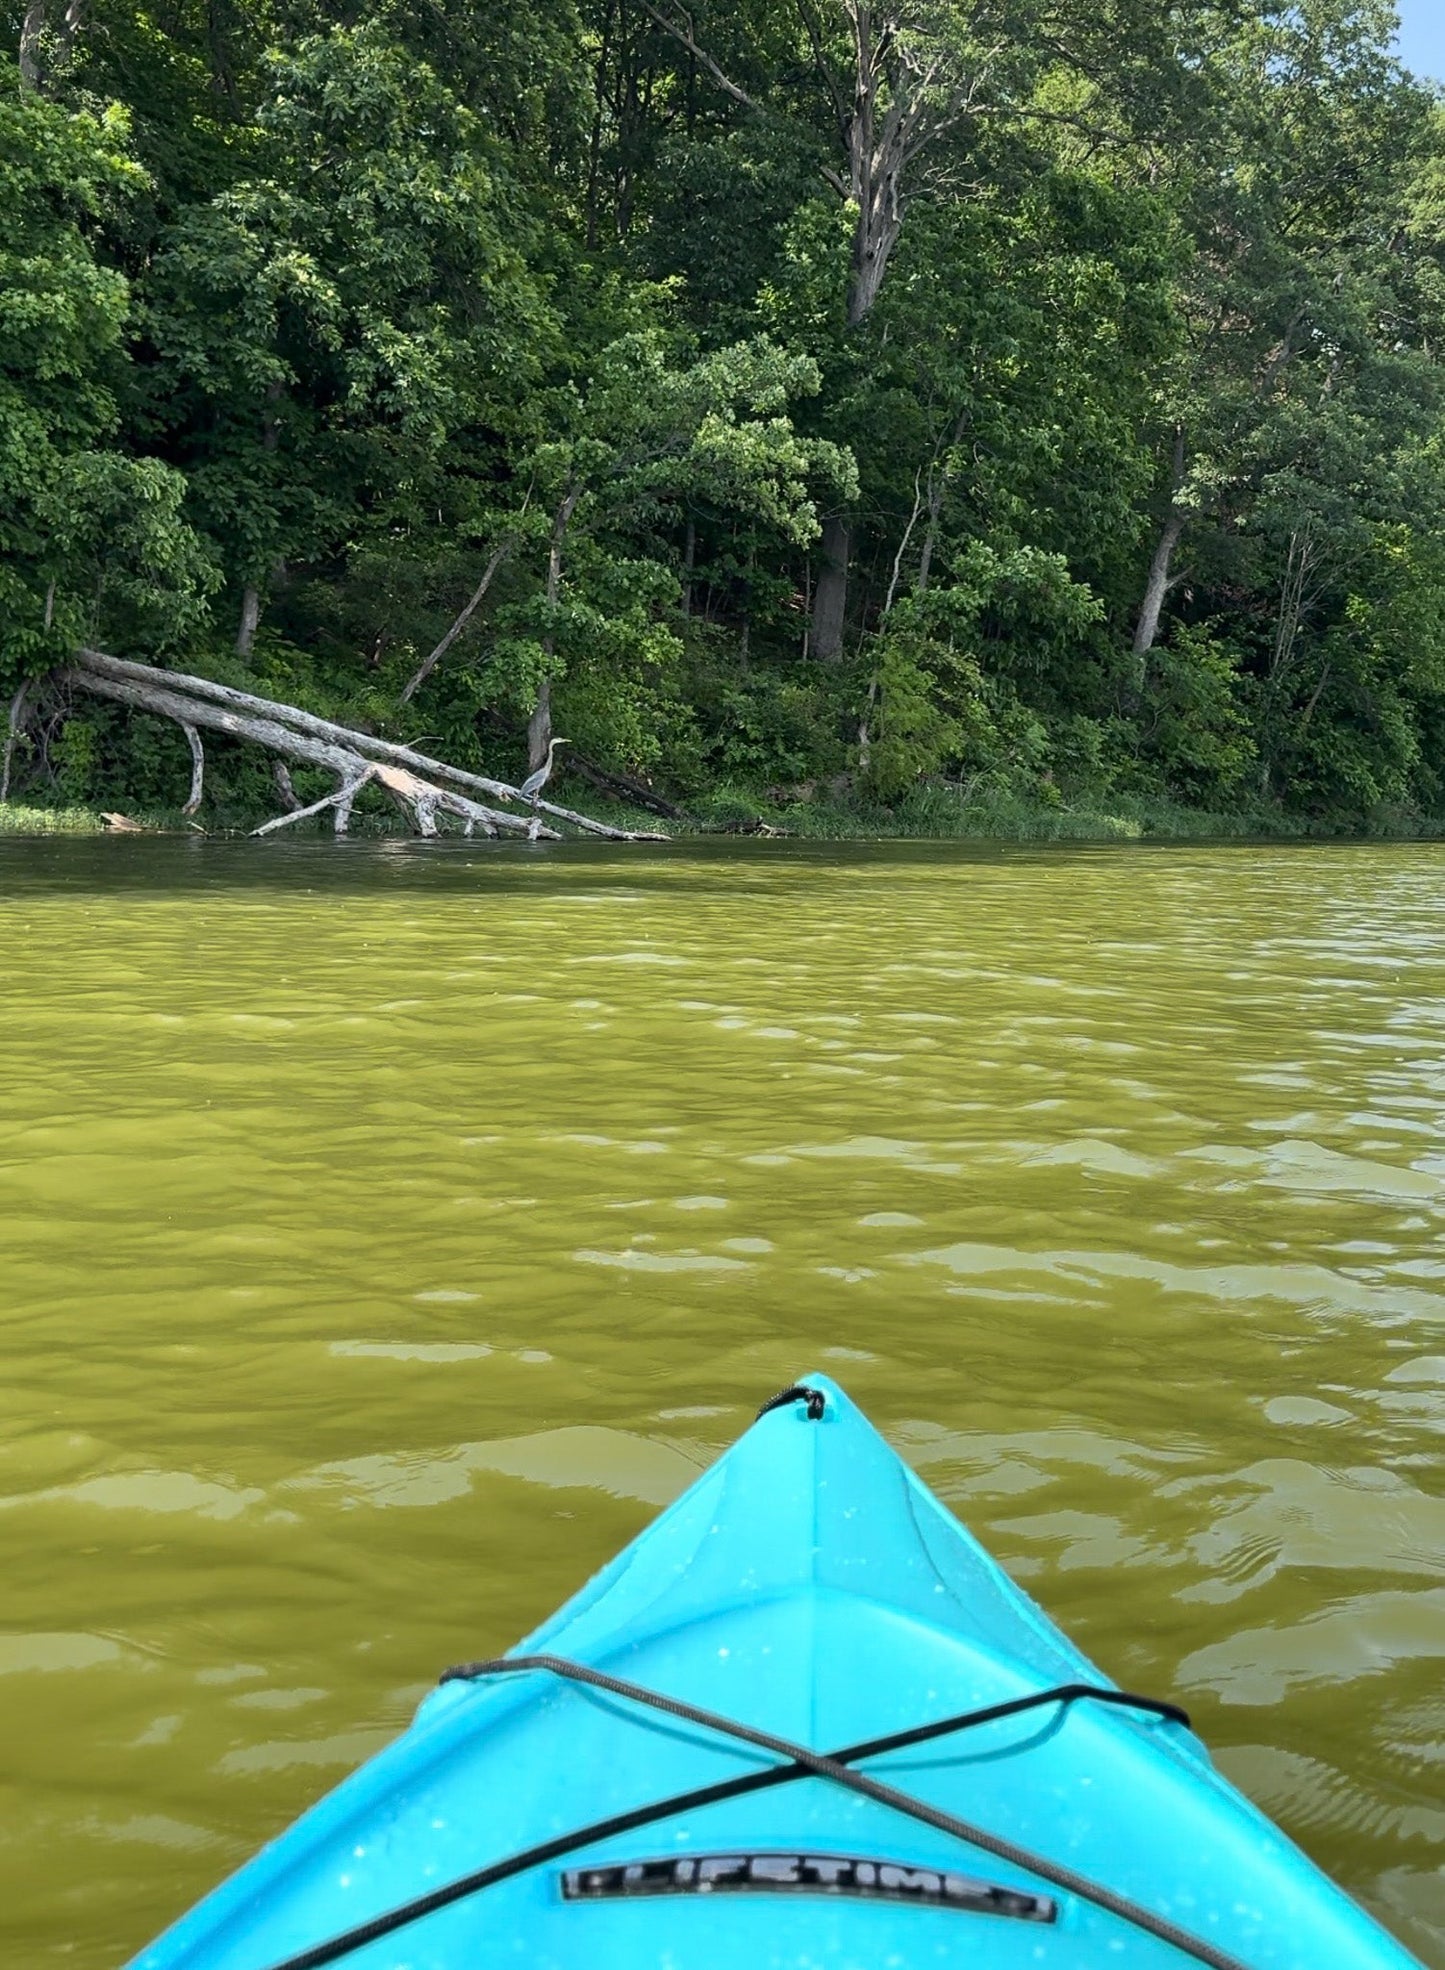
{"type": "Point", "coordinates": [198, 768]}
{"type": "Point", "coordinates": [425, 670]}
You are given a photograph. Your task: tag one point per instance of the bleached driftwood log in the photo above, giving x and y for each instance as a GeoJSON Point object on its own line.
{"type": "Point", "coordinates": [421, 786]}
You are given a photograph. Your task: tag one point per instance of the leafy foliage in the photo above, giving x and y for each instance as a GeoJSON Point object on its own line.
{"type": "Point", "coordinates": [451, 368]}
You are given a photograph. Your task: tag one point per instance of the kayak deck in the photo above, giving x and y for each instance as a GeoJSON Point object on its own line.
{"type": "Point", "coordinates": [811, 1587]}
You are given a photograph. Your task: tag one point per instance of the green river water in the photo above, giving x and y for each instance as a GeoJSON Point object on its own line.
{"type": "Point", "coordinates": [389, 1230]}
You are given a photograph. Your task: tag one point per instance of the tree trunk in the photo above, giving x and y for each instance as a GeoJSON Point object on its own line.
{"type": "Point", "coordinates": [689, 561]}
{"type": "Point", "coordinates": [893, 107]}
{"type": "Point", "coordinates": [1157, 586]}
{"type": "Point", "coordinates": [937, 488]}
{"type": "Point", "coordinates": [873, 241]}
{"type": "Point", "coordinates": [32, 31]}
{"type": "Point", "coordinates": [71, 22]}
{"type": "Point", "coordinates": [251, 596]}
{"type": "Point", "coordinates": [250, 619]}
{"type": "Point", "coordinates": [613, 782]}
{"type": "Point", "coordinates": [539, 727]}
{"type": "Point", "coordinates": [830, 591]}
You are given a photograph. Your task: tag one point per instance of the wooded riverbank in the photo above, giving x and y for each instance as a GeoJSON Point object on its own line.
{"type": "Point", "coordinates": [838, 408]}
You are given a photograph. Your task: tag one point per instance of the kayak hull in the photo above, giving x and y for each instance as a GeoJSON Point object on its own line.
{"type": "Point", "coordinates": [811, 1586]}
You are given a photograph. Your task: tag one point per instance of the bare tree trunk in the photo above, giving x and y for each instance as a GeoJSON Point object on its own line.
{"type": "Point", "coordinates": [865, 724]}
{"type": "Point", "coordinates": [875, 164]}
{"type": "Point", "coordinates": [873, 241]}
{"type": "Point", "coordinates": [937, 486]}
{"type": "Point", "coordinates": [907, 535]}
{"type": "Point", "coordinates": [32, 32]}
{"type": "Point", "coordinates": [1298, 565]}
{"type": "Point", "coordinates": [351, 769]}
{"type": "Point", "coordinates": [250, 619]}
{"type": "Point", "coordinates": [1157, 586]}
{"type": "Point", "coordinates": [539, 725]}
{"type": "Point", "coordinates": [339, 800]}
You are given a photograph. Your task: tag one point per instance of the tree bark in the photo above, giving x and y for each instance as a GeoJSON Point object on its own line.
{"type": "Point", "coordinates": [284, 787]}
{"type": "Point", "coordinates": [1157, 585]}
{"type": "Point", "coordinates": [830, 590]}
{"type": "Point", "coordinates": [71, 22]}
{"type": "Point", "coordinates": [623, 784]}
{"type": "Point", "coordinates": [198, 768]}
{"type": "Point", "coordinates": [539, 726]}
{"type": "Point", "coordinates": [32, 32]}
{"type": "Point", "coordinates": [340, 800]}
{"type": "Point", "coordinates": [250, 619]}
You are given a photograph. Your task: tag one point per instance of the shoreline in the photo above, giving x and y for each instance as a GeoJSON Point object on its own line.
{"type": "Point", "coordinates": [933, 815]}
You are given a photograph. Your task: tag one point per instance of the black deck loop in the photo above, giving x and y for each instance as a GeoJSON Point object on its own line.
{"type": "Point", "coordinates": [797, 1392]}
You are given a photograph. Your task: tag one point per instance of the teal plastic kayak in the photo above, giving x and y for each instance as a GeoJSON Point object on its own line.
{"type": "Point", "coordinates": [803, 1720]}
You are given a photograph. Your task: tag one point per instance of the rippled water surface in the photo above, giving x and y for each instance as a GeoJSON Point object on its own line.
{"type": "Point", "coordinates": [389, 1231]}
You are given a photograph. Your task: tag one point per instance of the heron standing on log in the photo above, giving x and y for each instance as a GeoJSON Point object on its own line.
{"type": "Point", "coordinates": [531, 787]}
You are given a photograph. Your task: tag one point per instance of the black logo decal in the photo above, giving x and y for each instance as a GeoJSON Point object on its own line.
{"type": "Point", "coordinates": [804, 1874]}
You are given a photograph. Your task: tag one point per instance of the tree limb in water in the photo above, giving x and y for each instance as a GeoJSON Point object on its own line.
{"type": "Point", "coordinates": [423, 786]}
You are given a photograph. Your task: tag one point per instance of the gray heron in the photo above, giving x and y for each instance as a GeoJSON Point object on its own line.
{"type": "Point", "coordinates": [531, 787]}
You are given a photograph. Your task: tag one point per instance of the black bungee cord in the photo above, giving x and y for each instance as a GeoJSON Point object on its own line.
{"type": "Point", "coordinates": [802, 1763]}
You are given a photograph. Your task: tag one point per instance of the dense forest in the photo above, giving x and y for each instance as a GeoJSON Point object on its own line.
{"type": "Point", "coordinates": [897, 407]}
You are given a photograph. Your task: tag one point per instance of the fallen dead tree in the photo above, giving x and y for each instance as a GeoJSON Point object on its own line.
{"type": "Point", "coordinates": [422, 787]}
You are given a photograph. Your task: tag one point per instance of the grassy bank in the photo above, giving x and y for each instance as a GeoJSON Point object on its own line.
{"type": "Point", "coordinates": [936, 812]}
{"type": "Point", "coordinates": [15, 820]}
{"type": "Point", "coordinates": [931, 812]}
